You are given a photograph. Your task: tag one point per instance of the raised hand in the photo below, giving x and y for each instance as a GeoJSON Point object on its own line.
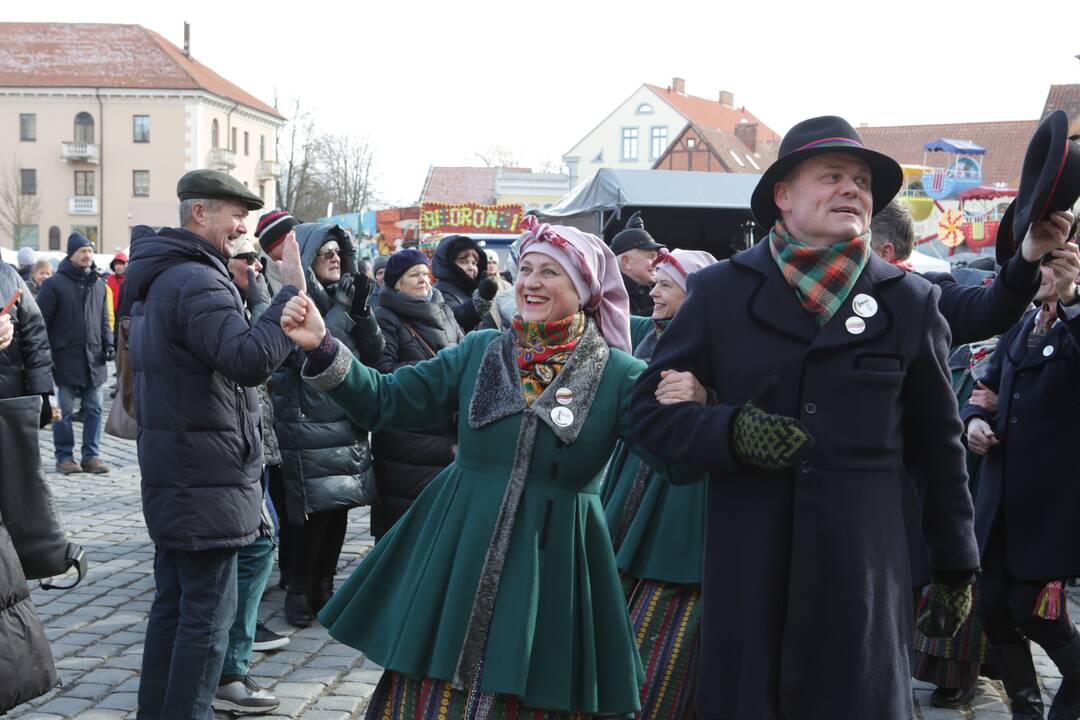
{"type": "Point", "coordinates": [292, 270]}
{"type": "Point", "coordinates": [302, 322]}
{"type": "Point", "coordinates": [1050, 234]}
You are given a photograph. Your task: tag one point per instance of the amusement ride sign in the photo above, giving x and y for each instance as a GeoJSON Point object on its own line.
{"type": "Point", "coordinates": [470, 218]}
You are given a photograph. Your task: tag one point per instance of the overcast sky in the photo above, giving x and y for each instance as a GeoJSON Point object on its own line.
{"type": "Point", "coordinates": [435, 82]}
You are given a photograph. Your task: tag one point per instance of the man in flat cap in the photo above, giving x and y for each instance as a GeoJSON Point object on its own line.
{"type": "Point", "coordinates": [636, 250]}
{"type": "Point", "coordinates": [827, 364]}
{"type": "Point", "coordinates": [196, 362]}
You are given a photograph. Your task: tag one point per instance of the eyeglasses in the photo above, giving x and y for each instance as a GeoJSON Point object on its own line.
{"type": "Point", "coordinates": [248, 257]}
{"type": "Point", "coordinates": [329, 254]}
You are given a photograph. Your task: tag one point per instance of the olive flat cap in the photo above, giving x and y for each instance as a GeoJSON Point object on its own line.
{"type": "Point", "coordinates": [215, 185]}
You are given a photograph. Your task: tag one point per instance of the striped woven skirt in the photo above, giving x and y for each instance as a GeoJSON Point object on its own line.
{"type": "Point", "coordinates": [401, 697]}
{"type": "Point", "coordinates": [951, 662]}
{"type": "Point", "coordinates": [666, 620]}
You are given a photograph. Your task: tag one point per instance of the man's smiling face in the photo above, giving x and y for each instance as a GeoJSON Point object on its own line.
{"type": "Point", "coordinates": [826, 199]}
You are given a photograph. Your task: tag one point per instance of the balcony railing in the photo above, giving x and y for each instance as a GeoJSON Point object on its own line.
{"type": "Point", "coordinates": [268, 169]}
{"type": "Point", "coordinates": [82, 205]}
{"type": "Point", "coordinates": [80, 152]}
{"type": "Point", "coordinates": [222, 157]}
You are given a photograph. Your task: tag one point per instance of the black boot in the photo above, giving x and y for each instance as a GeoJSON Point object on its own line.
{"type": "Point", "coordinates": [321, 592]}
{"type": "Point", "coordinates": [1067, 701]}
{"type": "Point", "coordinates": [298, 606]}
{"type": "Point", "coordinates": [1017, 670]}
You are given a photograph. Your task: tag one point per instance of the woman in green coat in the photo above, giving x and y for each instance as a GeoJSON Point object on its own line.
{"type": "Point", "coordinates": [658, 532]}
{"type": "Point", "coordinates": [498, 591]}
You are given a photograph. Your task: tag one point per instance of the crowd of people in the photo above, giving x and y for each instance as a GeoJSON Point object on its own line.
{"type": "Point", "coordinates": [615, 479]}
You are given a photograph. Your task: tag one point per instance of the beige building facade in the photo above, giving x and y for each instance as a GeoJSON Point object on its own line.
{"type": "Point", "coordinates": [101, 159]}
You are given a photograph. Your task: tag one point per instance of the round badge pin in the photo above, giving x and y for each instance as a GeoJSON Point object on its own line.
{"type": "Point", "coordinates": [864, 305]}
{"type": "Point", "coordinates": [855, 325]}
{"type": "Point", "coordinates": [562, 416]}
{"type": "Point", "coordinates": [564, 396]}
{"type": "Point", "coordinates": [1048, 351]}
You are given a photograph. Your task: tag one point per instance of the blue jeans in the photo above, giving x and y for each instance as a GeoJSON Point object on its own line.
{"type": "Point", "coordinates": [64, 436]}
{"type": "Point", "coordinates": [253, 565]}
{"type": "Point", "coordinates": [187, 633]}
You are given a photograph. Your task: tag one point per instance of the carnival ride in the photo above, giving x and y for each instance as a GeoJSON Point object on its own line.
{"type": "Point", "coordinates": [963, 172]}
{"type": "Point", "coordinates": [960, 178]}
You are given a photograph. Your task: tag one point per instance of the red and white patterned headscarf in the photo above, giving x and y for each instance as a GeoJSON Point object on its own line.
{"type": "Point", "coordinates": [594, 271]}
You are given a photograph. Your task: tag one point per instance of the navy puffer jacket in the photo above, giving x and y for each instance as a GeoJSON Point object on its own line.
{"type": "Point", "coordinates": [196, 362]}
{"type": "Point", "coordinates": [74, 306]}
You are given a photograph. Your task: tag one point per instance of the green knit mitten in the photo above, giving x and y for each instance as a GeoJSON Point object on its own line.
{"type": "Point", "coordinates": [769, 441]}
{"type": "Point", "coordinates": [946, 609]}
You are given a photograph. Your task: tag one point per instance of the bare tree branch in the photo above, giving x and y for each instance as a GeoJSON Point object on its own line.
{"type": "Point", "coordinates": [16, 208]}
{"type": "Point", "coordinates": [497, 156]}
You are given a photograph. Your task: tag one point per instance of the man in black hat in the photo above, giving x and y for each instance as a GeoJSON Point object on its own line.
{"type": "Point", "coordinates": [827, 363]}
{"type": "Point", "coordinates": [636, 250]}
{"type": "Point", "coordinates": [197, 361]}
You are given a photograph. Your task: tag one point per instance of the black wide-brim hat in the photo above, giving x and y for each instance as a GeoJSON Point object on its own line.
{"type": "Point", "coordinates": [1049, 181]}
{"type": "Point", "coordinates": [817, 136]}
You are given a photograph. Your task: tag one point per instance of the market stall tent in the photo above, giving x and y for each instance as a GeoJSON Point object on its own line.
{"type": "Point", "coordinates": [690, 210]}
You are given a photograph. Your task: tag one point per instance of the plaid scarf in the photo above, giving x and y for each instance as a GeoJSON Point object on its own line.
{"type": "Point", "coordinates": [542, 348]}
{"type": "Point", "coordinates": [822, 277]}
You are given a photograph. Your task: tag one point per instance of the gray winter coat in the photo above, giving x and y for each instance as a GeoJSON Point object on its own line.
{"type": "Point", "coordinates": [325, 458]}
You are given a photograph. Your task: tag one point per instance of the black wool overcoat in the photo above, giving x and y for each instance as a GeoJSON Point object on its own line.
{"type": "Point", "coordinates": [807, 585]}
{"type": "Point", "coordinates": [1031, 475]}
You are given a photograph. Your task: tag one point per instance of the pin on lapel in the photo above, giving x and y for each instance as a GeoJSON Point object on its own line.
{"type": "Point", "coordinates": [864, 305]}
{"type": "Point", "coordinates": [562, 416]}
{"type": "Point", "coordinates": [855, 325]}
{"type": "Point", "coordinates": [564, 396]}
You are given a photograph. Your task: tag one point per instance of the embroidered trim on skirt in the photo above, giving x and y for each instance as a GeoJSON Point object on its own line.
{"type": "Point", "coordinates": [401, 697]}
{"type": "Point", "coordinates": [666, 620]}
{"type": "Point", "coordinates": [951, 662]}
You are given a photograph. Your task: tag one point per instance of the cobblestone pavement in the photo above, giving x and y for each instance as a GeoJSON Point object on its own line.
{"type": "Point", "coordinates": [96, 630]}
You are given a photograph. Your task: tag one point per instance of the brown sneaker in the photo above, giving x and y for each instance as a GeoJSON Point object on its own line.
{"type": "Point", "coordinates": [94, 465]}
{"type": "Point", "coordinates": [68, 466]}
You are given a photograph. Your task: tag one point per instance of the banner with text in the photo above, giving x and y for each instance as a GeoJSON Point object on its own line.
{"type": "Point", "coordinates": [470, 218]}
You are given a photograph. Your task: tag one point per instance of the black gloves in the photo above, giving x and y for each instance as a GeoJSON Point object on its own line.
{"type": "Point", "coordinates": [110, 353]}
{"type": "Point", "coordinates": [256, 289]}
{"type": "Point", "coordinates": [488, 288]}
{"type": "Point", "coordinates": [769, 441]}
{"type": "Point", "coordinates": [946, 609]}
{"type": "Point", "coordinates": [46, 412]}
{"type": "Point", "coordinates": [352, 294]}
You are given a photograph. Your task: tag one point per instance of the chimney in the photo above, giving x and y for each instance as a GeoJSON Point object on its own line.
{"type": "Point", "coordinates": [747, 133]}
{"type": "Point", "coordinates": [727, 99]}
{"type": "Point", "coordinates": [678, 85]}
{"type": "Point", "coordinates": [187, 40]}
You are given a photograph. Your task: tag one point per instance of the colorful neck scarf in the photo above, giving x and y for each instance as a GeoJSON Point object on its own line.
{"type": "Point", "coordinates": [822, 277]}
{"type": "Point", "coordinates": [542, 348]}
{"type": "Point", "coordinates": [1043, 322]}
{"type": "Point", "coordinates": [661, 325]}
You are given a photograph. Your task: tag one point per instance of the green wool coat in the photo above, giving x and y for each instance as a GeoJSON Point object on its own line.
{"type": "Point", "coordinates": [558, 635]}
{"type": "Point", "coordinates": [664, 537]}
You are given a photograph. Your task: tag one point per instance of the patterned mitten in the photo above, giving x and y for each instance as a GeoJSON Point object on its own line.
{"type": "Point", "coordinates": [946, 609]}
{"type": "Point", "coordinates": [766, 440]}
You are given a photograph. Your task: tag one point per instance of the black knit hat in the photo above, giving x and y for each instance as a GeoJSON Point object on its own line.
{"type": "Point", "coordinates": [633, 236]}
{"type": "Point", "coordinates": [75, 241]}
{"type": "Point", "coordinates": [400, 262]}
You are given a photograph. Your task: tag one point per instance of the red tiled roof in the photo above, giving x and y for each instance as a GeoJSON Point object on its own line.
{"type": "Point", "coordinates": [1067, 98]}
{"type": "Point", "coordinates": [1005, 143]}
{"type": "Point", "coordinates": [460, 185]}
{"type": "Point", "coordinates": [711, 113]}
{"type": "Point", "coordinates": [108, 56]}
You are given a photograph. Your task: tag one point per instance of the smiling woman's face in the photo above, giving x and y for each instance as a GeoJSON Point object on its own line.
{"type": "Point", "coordinates": [543, 290]}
